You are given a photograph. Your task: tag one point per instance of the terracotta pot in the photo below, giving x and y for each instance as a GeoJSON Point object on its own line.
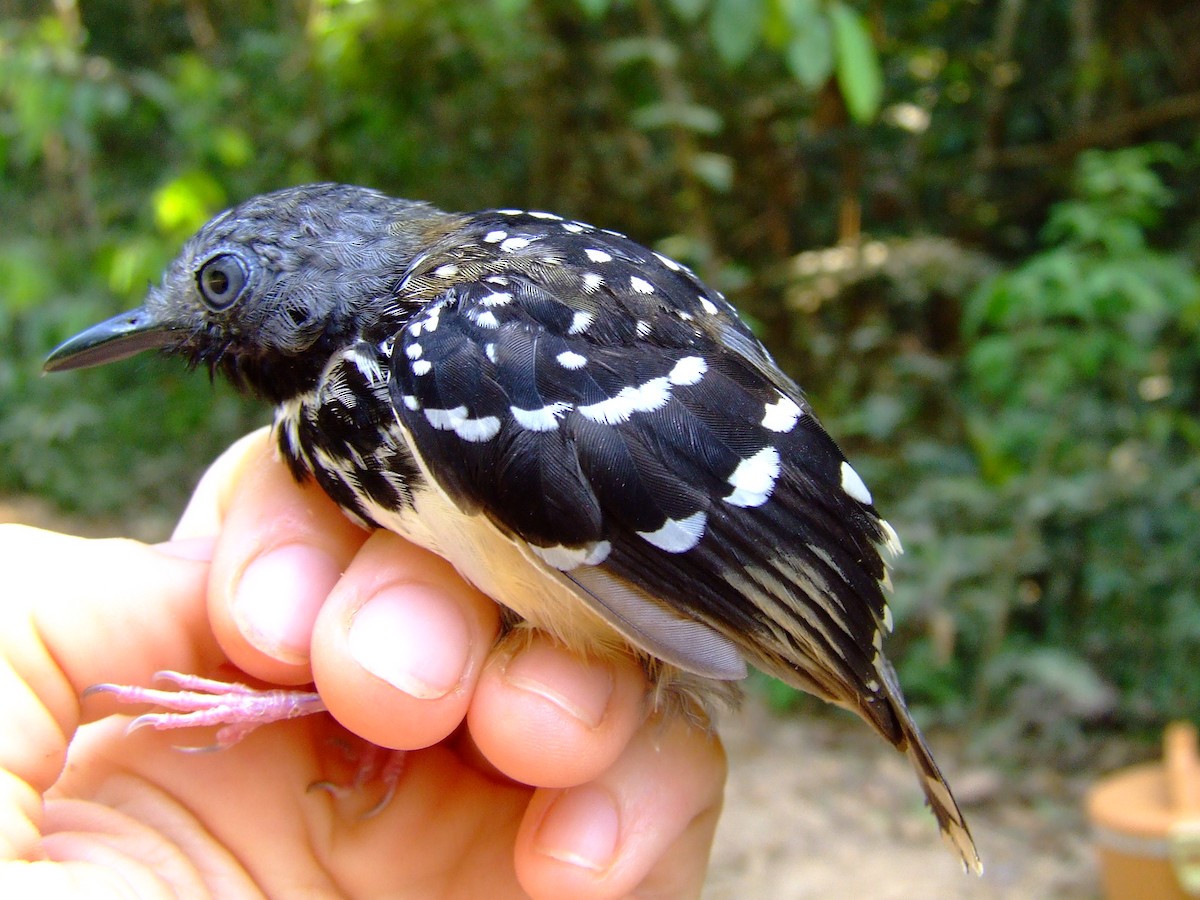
{"type": "Point", "coordinates": [1146, 821]}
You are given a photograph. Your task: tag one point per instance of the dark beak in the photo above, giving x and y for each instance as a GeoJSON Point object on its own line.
{"type": "Point", "coordinates": [121, 336]}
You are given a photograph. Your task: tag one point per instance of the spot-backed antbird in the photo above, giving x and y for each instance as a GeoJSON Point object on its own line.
{"type": "Point", "coordinates": [588, 433]}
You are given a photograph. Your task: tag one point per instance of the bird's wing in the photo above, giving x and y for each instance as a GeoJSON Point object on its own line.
{"type": "Point", "coordinates": [602, 404]}
{"type": "Point", "coordinates": [599, 402]}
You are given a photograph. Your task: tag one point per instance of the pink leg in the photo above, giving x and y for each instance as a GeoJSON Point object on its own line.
{"type": "Point", "coordinates": [204, 701]}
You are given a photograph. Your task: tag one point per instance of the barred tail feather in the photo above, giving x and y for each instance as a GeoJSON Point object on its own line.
{"type": "Point", "coordinates": [937, 793]}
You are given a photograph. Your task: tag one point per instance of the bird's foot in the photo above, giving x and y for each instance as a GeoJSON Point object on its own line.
{"type": "Point", "coordinates": [371, 763]}
{"type": "Point", "coordinates": [200, 702]}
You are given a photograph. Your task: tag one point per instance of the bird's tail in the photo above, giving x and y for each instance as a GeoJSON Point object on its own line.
{"type": "Point", "coordinates": [937, 793]}
{"type": "Point", "coordinates": [903, 732]}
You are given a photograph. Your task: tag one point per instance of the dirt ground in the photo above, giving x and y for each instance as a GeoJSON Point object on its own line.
{"type": "Point", "coordinates": [821, 808]}
{"type": "Point", "coordinates": [818, 807]}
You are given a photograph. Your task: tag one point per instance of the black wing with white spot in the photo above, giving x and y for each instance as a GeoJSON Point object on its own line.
{"type": "Point", "coordinates": [598, 401]}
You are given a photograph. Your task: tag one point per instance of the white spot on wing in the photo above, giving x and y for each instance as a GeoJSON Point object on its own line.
{"type": "Point", "coordinates": [678, 535]}
{"type": "Point", "coordinates": [598, 255]}
{"type": "Point", "coordinates": [544, 419]}
{"type": "Point", "coordinates": [566, 558]}
{"type": "Point", "coordinates": [642, 328]}
{"type": "Point", "coordinates": [592, 281]}
{"type": "Point", "coordinates": [569, 359]}
{"type": "Point", "coordinates": [499, 298]}
{"type": "Point", "coordinates": [891, 540]}
{"type": "Point", "coordinates": [853, 485]}
{"type": "Point", "coordinates": [537, 214]}
{"type": "Point", "coordinates": [414, 351]}
{"type": "Point", "coordinates": [478, 430]}
{"type": "Point", "coordinates": [487, 319]}
{"type": "Point", "coordinates": [781, 415]}
{"type": "Point", "coordinates": [474, 430]}
{"type": "Point", "coordinates": [641, 285]}
{"type": "Point", "coordinates": [445, 419]}
{"type": "Point", "coordinates": [411, 402]}
{"type": "Point", "coordinates": [447, 271]}
{"type": "Point", "coordinates": [573, 227]}
{"type": "Point", "coordinates": [490, 350]}
{"type": "Point", "coordinates": [708, 306]}
{"type": "Point", "coordinates": [512, 244]}
{"type": "Point", "coordinates": [643, 398]}
{"type": "Point", "coordinates": [754, 479]}
{"type": "Point", "coordinates": [668, 262]}
{"type": "Point", "coordinates": [421, 367]}
{"type": "Point", "coordinates": [495, 237]}
{"type": "Point", "coordinates": [688, 370]}
{"type": "Point", "coordinates": [580, 321]}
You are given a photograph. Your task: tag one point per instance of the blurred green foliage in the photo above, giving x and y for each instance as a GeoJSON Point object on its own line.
{"type": "Point", "coordinates": [1000, 328]}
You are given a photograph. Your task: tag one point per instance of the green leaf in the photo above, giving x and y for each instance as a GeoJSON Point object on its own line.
{"type": "Point", "coordinates": [714, 169]}
{"type": "Point", "coordinates": [594, 9]}
{"type": "Point", "coordinates": [688, 10]}
{"type": "Point", "coordinates": [736, 28]}
{"type": "Point", "coordinates": [510, 8]}
{"type": "Point", "coordinates": [692, 116]}
{"type": "Point", "coordinates": [859, 74]}
{"type": "Point", "coordinates": [809, 55]}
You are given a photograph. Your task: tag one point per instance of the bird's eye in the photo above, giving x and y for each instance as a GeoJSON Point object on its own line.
{"type": "Point", "coordinates": [221, 280]}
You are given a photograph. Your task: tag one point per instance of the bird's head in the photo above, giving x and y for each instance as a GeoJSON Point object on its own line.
{"type": "Point", "coordinates": [267, 290]}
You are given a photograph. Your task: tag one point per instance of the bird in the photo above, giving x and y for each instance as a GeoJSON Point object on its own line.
{"type": "Point", "coordinates": [586, 431]}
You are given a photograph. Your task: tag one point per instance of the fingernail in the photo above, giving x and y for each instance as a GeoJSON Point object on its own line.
{"type": "Point", "coordinates": [413, 637]}
{"type": "Point", "coordinates": [555, 675]}
{"type": "Point", "coordinates": [278, 597]}
{"type": "Point", "coordinates": [199, 549]}
{"type": "Point", "coordinates": [580, 828]}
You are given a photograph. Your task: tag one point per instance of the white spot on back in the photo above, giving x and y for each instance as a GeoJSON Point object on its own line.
{"type": "Point", "coordinates": [490, 350]}
{"type": "Point", "coordinates": [495, 237]}
{"type": "Point", "coordinates": [544, 419]}
{"type": "Point", "coordinates": [643, 328]}
{"type": "Point", "coordinates": [853, 485]}
{"type": "Point", "coordinates": [708, 306]}
{"type": "Point", "coordinates": [511, 212]}
{"type": "Point", "coordinates": [411, 402]}
{"type": "Point", "coordinates": [487, 319]}
{"type": "Point", "coordinates": [592, 281]}
{"type": "Point", "coordinates": [414, 351]}
{"type": "Point", "coordinates": [580, 321]}
{"type": "Point", "coordinates": [688, 370]}
{"type": "Point", "coordinates": [598, 255]}
{"type": "Point", "coordinates": [573, 227]}
{"type": "Point", "coordinates": [447, 271]}
{"type": "Point", "coordinates": [511, 244]}
{"type": "Point", "coordinates": [537, 214]}
{"type": "Point", "coordinates": [678, 535]}
{"type": "Point", "coordinates": [781, 416]}
{"type": "Point", "coordinates": [754, 479]}
{"type": "Point", "coordinates": [643, 398]}
{"type": "Point", "coordinates": [569, 359]}
{"type": "Point", "coordinates": [566, 558]}
{"type": "Point", "coordinates": [421, 367]}
{"type": "Point", "coordinates": [641, 285]}
{"type": "Point", "coordinates": [499, 298]}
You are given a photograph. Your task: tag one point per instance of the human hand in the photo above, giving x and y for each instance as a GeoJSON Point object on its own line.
{"type": "Point", "coordinates": [401, 651]}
